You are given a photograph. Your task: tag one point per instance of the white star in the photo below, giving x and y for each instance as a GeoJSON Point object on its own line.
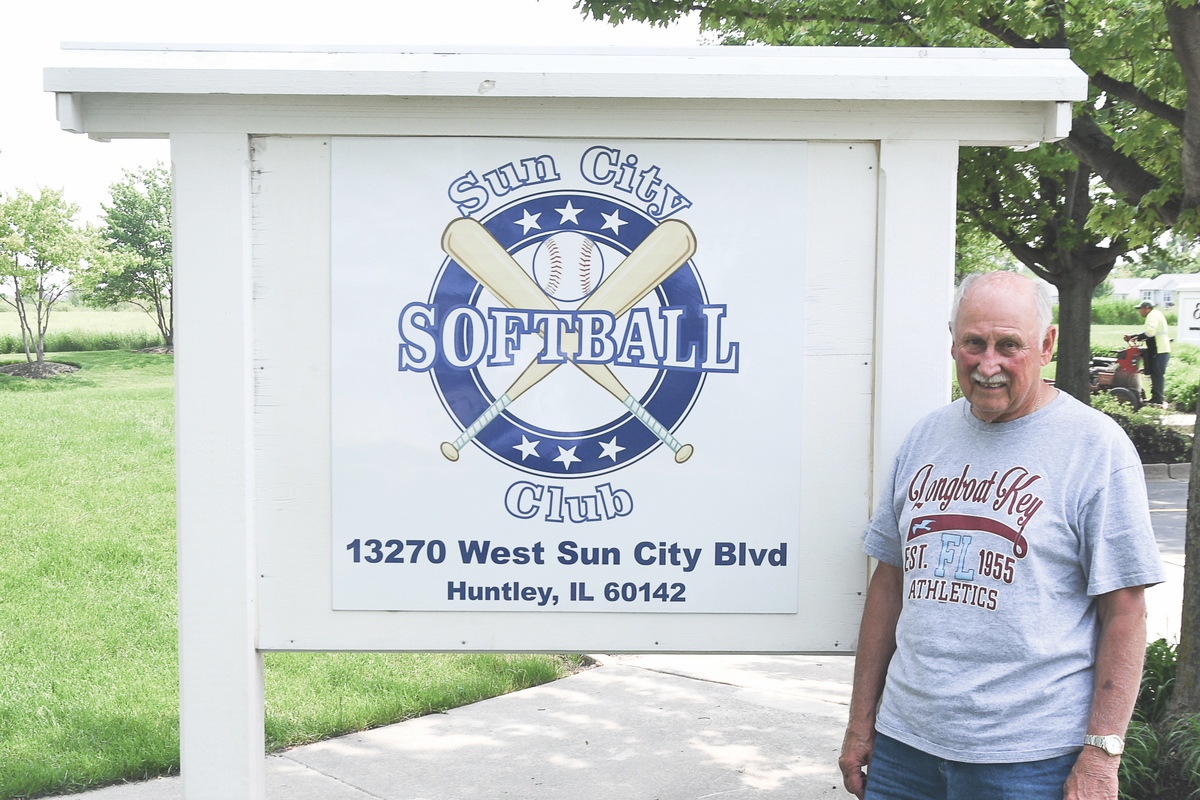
{"type": "Point", "coordinates": [568, 213]}
{"type": "Point", "coordinates": [613, 221]}
{"type": "Point", "coordinates": [567, 457]}
{"type": "Point", "coordinates": [527, 221]}
{"type": "Point", "coordinates": [527, 447]}
{"type": "Point", "coordinates": [610, 449]}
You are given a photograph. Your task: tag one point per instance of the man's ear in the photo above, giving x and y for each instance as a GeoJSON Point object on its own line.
{"type": "Point", "coordinates": [1048, 344]}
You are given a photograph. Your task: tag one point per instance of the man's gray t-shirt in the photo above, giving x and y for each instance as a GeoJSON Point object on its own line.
{"type": "Point", "coordinates": [1006, 532]}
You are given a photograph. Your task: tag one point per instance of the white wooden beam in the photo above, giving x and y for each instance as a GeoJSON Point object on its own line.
{"type": "Point", "coordinates": [849, 73]}
{"type": "Point", "coordinates": [220, 670]}
{"type": "Point", "coordinates": [118, 115]}
{"type": "Point", "coordinates": [914, 287]}
{"type": "Point", "coordinates": [69, 110]}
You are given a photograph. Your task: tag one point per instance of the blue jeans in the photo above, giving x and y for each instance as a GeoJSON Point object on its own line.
{"type": "Point", "coordinates": [1157, 368]}
{"type": "Point", "coordinates": [900, 772]}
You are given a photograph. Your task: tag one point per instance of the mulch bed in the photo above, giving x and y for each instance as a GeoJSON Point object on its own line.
{"type": "Point", "coordinates": [34, 370]}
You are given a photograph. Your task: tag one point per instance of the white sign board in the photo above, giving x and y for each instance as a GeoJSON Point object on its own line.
{"type": "Point", "coordinates": [566, 374]}
{"type": "Point", "coordinates": [1188, 327]}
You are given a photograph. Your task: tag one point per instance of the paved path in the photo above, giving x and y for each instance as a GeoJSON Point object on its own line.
{"type": "Point", "coordinates": [1168, 511]}
{"type": "Point", "coordinates": [637, 727]}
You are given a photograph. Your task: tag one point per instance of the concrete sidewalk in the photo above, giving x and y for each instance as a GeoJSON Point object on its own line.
{"type": "Point", "coordinates": [637, 727]}
{"type": "Point", "coordinates": [1168, 513]}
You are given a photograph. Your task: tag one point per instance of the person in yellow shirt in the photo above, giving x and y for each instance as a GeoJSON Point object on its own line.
{"type": "Point", "coordinates": [1158, 348]}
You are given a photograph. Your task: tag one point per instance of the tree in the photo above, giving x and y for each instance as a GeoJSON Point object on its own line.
{"type": "Point", "coordinates": [136, 267]}
{"type": "Point", "coordinates": [40, 250]}
{"type": "Point", "coordinates": [1134, 151]}
{"type": "Point", "coordinates": [1139, 145]}
{"type": "Point", "coordinates": [977, 251]}
{"type": "Point", "coordinates": [1172, 254]}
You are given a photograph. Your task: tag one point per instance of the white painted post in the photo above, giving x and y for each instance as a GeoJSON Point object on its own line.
{"type": "Point", "coordinates": [220, 670]}
{"type": "Point", "coordinates": [914, 287]}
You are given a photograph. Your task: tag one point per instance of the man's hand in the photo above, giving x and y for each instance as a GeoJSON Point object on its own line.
{"type": "Point", "coordinates": [1094, 776]}
{"type": "Point", "coordinates": [876, 643]}
{"type": "Point", "coordinates": [1117, 677]}
{"type": "Point", "coordinates": [857, 747]}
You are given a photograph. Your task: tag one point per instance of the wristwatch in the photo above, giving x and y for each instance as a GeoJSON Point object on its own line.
{"type": "Point", "coordinates": [1112, 744]}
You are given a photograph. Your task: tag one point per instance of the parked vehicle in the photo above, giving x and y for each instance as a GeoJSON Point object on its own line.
{"type": "Point", "coordinates": [1119, 376]}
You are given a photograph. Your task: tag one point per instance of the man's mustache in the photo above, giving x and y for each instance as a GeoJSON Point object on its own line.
{"type": "Point", "coordinates": [999, 379]}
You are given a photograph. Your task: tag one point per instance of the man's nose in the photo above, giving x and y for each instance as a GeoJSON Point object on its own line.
{"type": "Point", "coordinates": [989, 362]}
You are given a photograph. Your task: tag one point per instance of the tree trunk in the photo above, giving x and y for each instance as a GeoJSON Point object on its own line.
{"type": "Point", "coordinates": [1074, 334]}
{"type": "Point", "coordinates": [1185, 698]}
{"type": "Point", "coordinates": [1183, 22]}
{"type": "Point", "coordinates": [43, 322]}
{"type": "Point", "coordinates": [169, 337]}
{"type": "Point", "coordinates": [160, 319]}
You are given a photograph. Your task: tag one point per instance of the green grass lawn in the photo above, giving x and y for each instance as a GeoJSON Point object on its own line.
{"type": "Point", "coordinates": [1111, 335]}
{"type": "Point", "coordinates": [88, 673]}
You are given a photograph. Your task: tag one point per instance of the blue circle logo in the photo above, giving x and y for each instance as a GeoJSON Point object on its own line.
{"type": "Point", "coordinates": [602, 390]}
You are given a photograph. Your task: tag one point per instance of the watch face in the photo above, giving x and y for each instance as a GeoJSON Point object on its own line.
{"type": "Point", "coordinates": [1112, 744]}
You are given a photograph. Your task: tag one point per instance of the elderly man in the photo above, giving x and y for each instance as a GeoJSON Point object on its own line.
{"type": "Point", "coordinates": [1157, 337]}
{"type": "Point", "coordinates": [1002, 640]}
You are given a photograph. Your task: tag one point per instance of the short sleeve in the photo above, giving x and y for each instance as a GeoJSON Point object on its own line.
{"type": "Point", "coordinates": [1118, 548]}
{"type": "Point", "coordinates": [881, 539]}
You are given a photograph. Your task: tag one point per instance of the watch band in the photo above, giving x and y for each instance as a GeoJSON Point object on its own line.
{"type": "Point", "coordinates": [1110, 743]}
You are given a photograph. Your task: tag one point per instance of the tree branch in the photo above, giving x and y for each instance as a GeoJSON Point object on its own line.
{"type": "Point", "coordinates": [1183, 23]}
{"type": "Point", "coordinates": [1027, 255]}
{"type": "Point", "coordinates": [996, 28]}
{"type": "Point", "coordinates": [1129, 92]}
{"type": "Point", "coordinates": [1122, 174]}
{"type": "Point", "coordinates": [1101, 80]}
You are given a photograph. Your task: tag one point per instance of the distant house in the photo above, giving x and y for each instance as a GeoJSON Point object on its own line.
{"type": "Point", "coordinates": [1162, 291]}
{"type": "Point", "coordinates": [1127, 288]}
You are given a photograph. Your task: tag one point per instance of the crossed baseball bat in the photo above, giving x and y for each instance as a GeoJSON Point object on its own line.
{"type": "Point", "coordinates": [666, 249]}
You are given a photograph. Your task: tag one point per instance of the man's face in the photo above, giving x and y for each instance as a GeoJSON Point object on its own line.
{"type": "Point", "coordinates": [998, 351]}
{"type": "Point", "coordinates": [1144, 311]}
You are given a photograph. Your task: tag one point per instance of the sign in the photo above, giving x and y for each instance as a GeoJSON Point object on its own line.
{"type": "Point", "coordinates": [566, 374]}
{"type": "Point", "coordinates": [1189, 314]}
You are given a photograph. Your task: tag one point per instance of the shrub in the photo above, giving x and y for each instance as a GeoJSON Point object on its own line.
{"type": "Point", "coordinates": [1158, 444]}
{"type": "Point", "coordinates": [1185, 354]}
{"type": "Point", "coordinates": [1158, 682]}
{"type": "Point", "coordinates": [1141, 768]}
{"type": "Point", "coordinates": [1181, 384]}
{"type": "Point", "coordinates": [1184, 741]}
{"type": "Point", "coordinates": [1155, 442]}
{"type": "Point", "coordinates": [1111, 311]}
{"type": "Point", "coordinates": [1157, 761]}
{"type": "Point", "coordinates": [77, 341]}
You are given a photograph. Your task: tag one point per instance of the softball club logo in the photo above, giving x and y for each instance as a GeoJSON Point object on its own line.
{"type": "Point", "coordinates": [596, 280]}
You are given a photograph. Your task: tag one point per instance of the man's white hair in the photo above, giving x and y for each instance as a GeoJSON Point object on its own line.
{"type": "Point", "coordinates": [1041, 299]}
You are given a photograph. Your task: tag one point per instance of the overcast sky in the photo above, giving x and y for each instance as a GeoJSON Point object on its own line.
{"type": "Point", "coordinates": [35, 152]}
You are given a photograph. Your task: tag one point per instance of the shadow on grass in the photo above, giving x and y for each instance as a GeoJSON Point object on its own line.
{"type": "Point", "coordinates": [9, 383]}
{"type": "Point", "coordinates": [73, 380]}
{"type": "Point", "coordinates": [92, 367]}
